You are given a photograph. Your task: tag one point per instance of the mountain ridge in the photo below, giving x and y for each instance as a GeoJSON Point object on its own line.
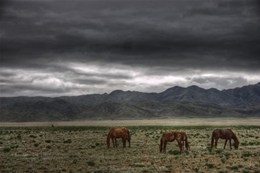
{"type": "Point", "coordinates": [192, 101]}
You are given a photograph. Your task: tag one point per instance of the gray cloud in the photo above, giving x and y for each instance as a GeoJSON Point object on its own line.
{"type": "Point", "coordinates": [145, 38]}
{"type": "Point", "coordinates": [231, 82]}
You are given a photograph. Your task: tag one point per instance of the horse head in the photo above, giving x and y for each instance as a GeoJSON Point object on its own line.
{"type": "Point", "coordinates": [126, 136]}
{"type": "Point", "coordinates": [236, 141]}
{"type": "Point", "coordinates": [236, 144]}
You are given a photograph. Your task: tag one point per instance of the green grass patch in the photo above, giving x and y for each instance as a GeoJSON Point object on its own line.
{"type": "Point", "coordinates": [174, 152]}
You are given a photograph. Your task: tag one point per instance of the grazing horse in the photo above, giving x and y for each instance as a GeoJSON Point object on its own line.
{"type": "Point", "coordinates": [120, 132]}
{"type": "Point", "coordinates": [226, 134]}
{"type": "Point", "coordinates": [170, 136]}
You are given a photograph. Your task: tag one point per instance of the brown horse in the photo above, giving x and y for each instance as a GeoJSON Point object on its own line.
{"type": "Point", "coordinates": [226, 134]}
{"type": "Point", "coordinates": [120, 132]}
{"type": "Point", "coordinates": [170, 136]}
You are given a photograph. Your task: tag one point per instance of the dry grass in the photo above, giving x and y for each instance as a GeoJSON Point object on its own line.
{"type": "Point", "coordinates": [83, 149]}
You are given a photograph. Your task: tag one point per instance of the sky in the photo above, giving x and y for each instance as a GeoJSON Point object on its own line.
{"type": "Point", "coordinates": [66, 48]}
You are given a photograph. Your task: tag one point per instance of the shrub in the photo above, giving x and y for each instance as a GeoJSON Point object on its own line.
{"type": "Point", "coordinates": [246, 154]}
{"type": "Point", "coordinates": [32, 136]}
{"type": "Point", "coordinates": [219, 151]}
{"type": "Point", "coordinates": [223, 160]}
{"type": "Point", "coordinates": [6, 150]}
{"type": "Point", "coordinates": [196, 169]}
{"type": "Point", "coordinates": [19, 136]}
{"type": "Point", "coordinates": [67, 141]}
{"type": "Point", "coordinates": [174, 152]}
{"type": "Point", "coordinates": [210, 149]}
{"type": "Point", "coordinates": [234, 167]}
{"type": "Point", "coordinates": [210, 165]}
{"type": "Point", "coordinates": [91, 163]}
{"type": "Point", "coordinates": [227, 155]}
{"type": "Point", "coordinates": [48, 141]}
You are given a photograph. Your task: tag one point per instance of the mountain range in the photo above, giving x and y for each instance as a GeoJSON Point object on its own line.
{"type": "Point", "coordinates": [192, 101]}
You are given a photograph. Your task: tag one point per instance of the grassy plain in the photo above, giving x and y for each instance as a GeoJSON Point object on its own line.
{"type": "Point", "coordinates": [81, 147]}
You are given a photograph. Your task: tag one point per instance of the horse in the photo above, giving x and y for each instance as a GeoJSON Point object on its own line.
{"type": "Point", "coordinates": [120, 132]}
{"type": "Point", "coordinates": [170, 136]}
{"type": "Point", "coordinates": [226, 134]}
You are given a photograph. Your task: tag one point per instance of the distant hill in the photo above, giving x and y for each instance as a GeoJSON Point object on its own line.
{"type": "Point", "coordinates": [177, 101]}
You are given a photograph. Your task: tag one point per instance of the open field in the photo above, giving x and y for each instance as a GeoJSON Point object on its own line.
{"type": "Point", "coordinates": [143, 122]}
{"type": "Point", "coordinates": [82, 147]}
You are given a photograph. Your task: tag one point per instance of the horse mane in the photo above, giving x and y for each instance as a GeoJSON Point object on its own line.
{"type": "Point", "coordinates": [234, 137]}
{"type": "Point", "coordinates": [109, 136]}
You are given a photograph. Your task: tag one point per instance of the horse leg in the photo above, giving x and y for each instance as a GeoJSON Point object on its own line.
{"type": "Point", "coordinates": [225, 143]}
{"type": "Point", "coordinates": [113, 141]}
{"type": "Point", "coordinates": [129, 143]}
{"type": "Point", "coordinates": [164, 146]}
{"type": "Point", "coordinates": [187, 145]}
{"type": "Point", "coordinates": [212, 142]}
{"type": "Point", "coordinates": [216, 143]}
{"type": "Point", "coordinates": [124, 141]}
{"type": "Point", "coordinates": [108, 142]}
{"type": "Point", "coordinates": [116, 143]}
{"type": "Point", "coordinates": [230, 144]}
{"type": "Point", "coordinates": [180, 145]}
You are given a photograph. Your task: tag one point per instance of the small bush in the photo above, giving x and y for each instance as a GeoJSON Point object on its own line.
{"type": "Point", "coordinates": [32, 136]}
{"type": "Point", "coordinates": [48, 141]}
{"type": "Point", "coordinates": [6, 150]}
{"type": "Point", "coordinates": [210, 149]}
{"type": "Point", "coordinates": [234, 167]}
{"type": "Point", "coordinates": [196, 169]}
{"type": "Point", "coordinates": [174, 152]}
{"type": "Point", "coordinates": [19, 136]}
{"type": "Point", "coordinates": [67, 141]}
{"type": "Point", "coordinates": [246, 154]}
{"type": "Point", "coordinates": [91, 163]}
{"type": "Point", "coordinates": [219, 151]}
{"type": "Point", "coordinates": [227, 155]}
{"type": "Point", "coordinates": [223, 160]}
{"type": "Point", "coordinates": [210, 165]}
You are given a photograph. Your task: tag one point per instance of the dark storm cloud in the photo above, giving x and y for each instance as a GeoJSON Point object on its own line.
{"type": "Point", "coordinates": [28, 89]}
{"type": "Point", "coordinates": [159, 37]}
{"type": "Point", "coordinates": [35, 29]}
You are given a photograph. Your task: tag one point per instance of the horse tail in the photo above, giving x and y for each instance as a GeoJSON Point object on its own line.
{"type": "Point", "coordinates": [108, 138]}
{"type": "Point", "coordinates": [187, 143]}
{"type": "Point", "coordinates": [128, 134]}
{"type": "Point", "coordinates": [212, 139]}
{"type": "Point", "coordinates": [128, 137]}
{"type": "Point", "coordinates": [161, 144]}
